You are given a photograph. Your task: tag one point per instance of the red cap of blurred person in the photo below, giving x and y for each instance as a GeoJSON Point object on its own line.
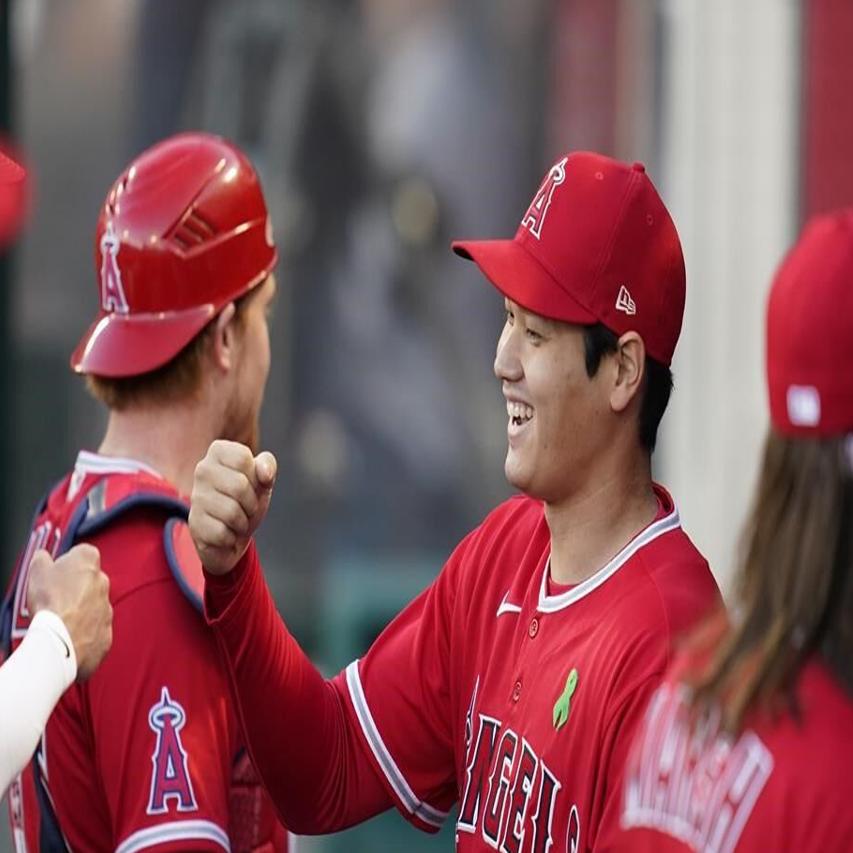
{"type": "Point", "coordinates": [13, 197]}
{"type": "Point", "coordinates": [596, 245]}
{"type": "Point", "coordinates": [810, 332]}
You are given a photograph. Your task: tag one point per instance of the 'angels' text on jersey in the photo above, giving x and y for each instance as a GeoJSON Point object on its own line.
{"type": "Point", "coordinates": [510, 792]}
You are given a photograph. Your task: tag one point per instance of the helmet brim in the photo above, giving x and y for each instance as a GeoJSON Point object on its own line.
{"type": "Point", "coordinates": [119, 345]}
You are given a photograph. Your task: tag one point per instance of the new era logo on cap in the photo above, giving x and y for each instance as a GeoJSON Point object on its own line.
{"type": "Point", "coordinates": [625, 303]}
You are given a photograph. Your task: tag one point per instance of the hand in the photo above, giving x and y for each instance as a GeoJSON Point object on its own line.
{"type": "Point", "coordinates": [231, 494]}
{"type": "Point", "coordinates": [76, 590]}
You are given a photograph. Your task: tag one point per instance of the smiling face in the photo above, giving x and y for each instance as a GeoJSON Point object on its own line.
{"type": "Point", "coordinates": [559, 419]}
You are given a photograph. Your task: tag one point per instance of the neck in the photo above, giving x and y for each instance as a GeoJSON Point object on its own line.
{"type": "Point", "coordinates": [592, 525]}
{"type": "Point", "coordinates": [171, 439]}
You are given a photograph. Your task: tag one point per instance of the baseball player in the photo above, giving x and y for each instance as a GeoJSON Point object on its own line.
{"type": "Point", "coordinates": [748, 744]}
{"type": "Point", "coordinates": [511, 686]}
{"type": "Point", "coordinates": [147, 753]}
{"type": "Point", "coordinates": [70, 632]}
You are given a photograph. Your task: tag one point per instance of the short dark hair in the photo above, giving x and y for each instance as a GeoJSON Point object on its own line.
{"type": "Point", "coordinates": [600, 341]}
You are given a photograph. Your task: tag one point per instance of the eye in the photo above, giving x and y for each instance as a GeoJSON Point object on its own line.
{"type": "Point", "coordinates": [533, 335]}
{"type": "Point", "coordinates": [510, 317]}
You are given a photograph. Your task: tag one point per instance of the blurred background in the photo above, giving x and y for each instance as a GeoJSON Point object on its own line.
{"type": "Point", "coordinates": [381, 130]}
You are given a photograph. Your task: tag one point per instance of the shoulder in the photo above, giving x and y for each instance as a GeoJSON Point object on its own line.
{"type": "Point", "coordinates": [817, 740]}
{"type": "Point", "coordinates": [809, 755]}
{"type": "Point", "coordinates": [672, 582]}
{"type": "Point", "coordinates": [504, 540]}
{"type": "Point", "coordinates": [138, 524]}
{"type": "Point", "coordinates": [510, 523]}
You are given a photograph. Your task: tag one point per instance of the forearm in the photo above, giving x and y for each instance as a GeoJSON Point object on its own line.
{"type": "Point", "coordinates": [31, 683]}
{"type": "Point", "coordinates": [298, 733]}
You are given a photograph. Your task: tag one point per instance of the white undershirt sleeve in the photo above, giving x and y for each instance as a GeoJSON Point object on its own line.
{"type": "Point", "coordinates": [32, 681]}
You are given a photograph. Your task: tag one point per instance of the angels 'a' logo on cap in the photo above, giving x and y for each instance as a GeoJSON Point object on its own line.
{"type": "Point", "coordinates": [625, 303]}
{"type": "Point", "coordinates": [112, 289]}
{"type": "Point", "coordinates": [534, 219]}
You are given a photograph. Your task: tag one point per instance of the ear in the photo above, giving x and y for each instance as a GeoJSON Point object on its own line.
{"type": "Point", "coordinates": [224, 338]}
{"type": "Point", "coordinates": [630, 371]}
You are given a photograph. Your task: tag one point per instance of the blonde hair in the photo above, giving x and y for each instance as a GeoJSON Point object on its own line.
{"type": "Point", "coordinates": [176, 380]}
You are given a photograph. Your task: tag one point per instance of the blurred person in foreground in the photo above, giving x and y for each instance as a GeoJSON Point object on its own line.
{"type": "Point", "coordinates": [513, 684]}
{"type": "Point", "coordinates": [71, 618]}
{"type": "Point", "coordinates": [748, 745]}
{"type": "Point", "coordinates": [147, 753]}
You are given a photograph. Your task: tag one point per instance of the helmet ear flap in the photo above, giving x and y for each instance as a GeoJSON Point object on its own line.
{"type": "Point", "coordinates": [183, 231]}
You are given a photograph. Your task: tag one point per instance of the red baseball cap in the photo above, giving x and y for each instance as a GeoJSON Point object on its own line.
{"type": "Point", "coordinates": [810, 332]}
{"type": "Point", "coordinates": [596, 245]}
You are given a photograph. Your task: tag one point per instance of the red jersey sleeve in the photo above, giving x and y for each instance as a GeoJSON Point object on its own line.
{"type": "Point", "coordinates": [164, 738]}
{"type": "Point", "coordinates": [399, 698]}
{"type": "Point", "coordinates": [310, 757]}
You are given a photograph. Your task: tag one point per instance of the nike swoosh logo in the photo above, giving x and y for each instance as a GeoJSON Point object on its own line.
{"type": "Point", "coordinates": [506, 607]}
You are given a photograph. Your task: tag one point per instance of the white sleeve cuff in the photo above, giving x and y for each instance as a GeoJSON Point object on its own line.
{"type": "Point", "coordinates": [32, 681]}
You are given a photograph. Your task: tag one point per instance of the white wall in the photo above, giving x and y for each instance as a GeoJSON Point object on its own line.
{"type": "Point", "coordinates": [729, 160]}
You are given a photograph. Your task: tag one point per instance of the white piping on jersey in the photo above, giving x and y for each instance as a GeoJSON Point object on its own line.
{"type": "Point", "coordinates": [506, 607]}
{"type": "Point", "coordinates": [179, 830]}
{"type": "Point", "coordinates": [96, 463]}
{"type": "Point", "coordinates": [553, 603]}
{"type": "Point", "coordinates": [401, 787]}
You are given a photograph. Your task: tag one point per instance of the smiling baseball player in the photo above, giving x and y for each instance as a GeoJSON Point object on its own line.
{"type": "Point", "coordinates": [512, 685]}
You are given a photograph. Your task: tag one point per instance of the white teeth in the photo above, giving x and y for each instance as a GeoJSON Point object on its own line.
{"type": "Point", "coordinates": [519, 410]}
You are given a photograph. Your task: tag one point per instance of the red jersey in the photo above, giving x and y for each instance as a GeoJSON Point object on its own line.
{"type": "Point", "coordinates": [146, 754]}
{"type": "Point", "coordinates": [486, 690]}
{"type": "Point", "coordinates": [782, 784]}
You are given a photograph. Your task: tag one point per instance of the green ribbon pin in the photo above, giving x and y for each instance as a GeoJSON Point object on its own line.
{"type": "Point", "coordinates": [563, 705]}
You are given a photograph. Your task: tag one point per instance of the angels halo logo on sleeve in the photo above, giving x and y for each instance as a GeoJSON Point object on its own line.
{"type": "Point", "coordinates": [170, 777]}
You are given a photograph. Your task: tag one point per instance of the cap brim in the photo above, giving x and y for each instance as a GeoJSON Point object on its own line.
{"type": "Point", "coordinates": [521, 278]}
{"type": "Point", "coordinates": [118, 345]}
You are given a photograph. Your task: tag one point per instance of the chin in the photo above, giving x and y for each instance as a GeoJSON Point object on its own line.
{"type": "Point", "coordinates": [517, 477]}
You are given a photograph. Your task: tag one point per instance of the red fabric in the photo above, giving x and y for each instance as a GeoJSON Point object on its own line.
{"type": "Point", "coordinates": [102, 741]}
{"type": "Point", "coordinates": [455, 700]}
{"type": "Point", "coordinates": [782, 784]}
{"type": "Point", "coordinates": [310, 759]}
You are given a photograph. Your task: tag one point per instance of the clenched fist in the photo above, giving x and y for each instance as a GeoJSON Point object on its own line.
{"type": "Point", "coordinates": [231, 495]}
{"type": "Point", "coordinates": [76, 590]}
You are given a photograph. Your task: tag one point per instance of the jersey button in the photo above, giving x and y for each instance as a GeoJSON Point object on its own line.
{"type": "Point", "coordinates": [533, 630]}
{"type": "Point", "coordinates": [516, 691]}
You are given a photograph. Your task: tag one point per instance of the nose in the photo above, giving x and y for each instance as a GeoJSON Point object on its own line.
{"type": "Point", "coordinates": [507, 364]}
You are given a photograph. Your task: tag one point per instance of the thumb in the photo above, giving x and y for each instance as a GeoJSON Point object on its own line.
{"type": "Point", "coordinates": [266, 468]}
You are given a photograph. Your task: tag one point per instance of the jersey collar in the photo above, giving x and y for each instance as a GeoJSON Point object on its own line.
{"type": "Point", "coordinates": [552, 603]}
{"type": "Point", "coordinates": [96, 463]}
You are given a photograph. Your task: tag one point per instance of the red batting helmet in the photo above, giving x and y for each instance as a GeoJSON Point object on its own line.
{"type": "Point", "coordinates": [183, 232]}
